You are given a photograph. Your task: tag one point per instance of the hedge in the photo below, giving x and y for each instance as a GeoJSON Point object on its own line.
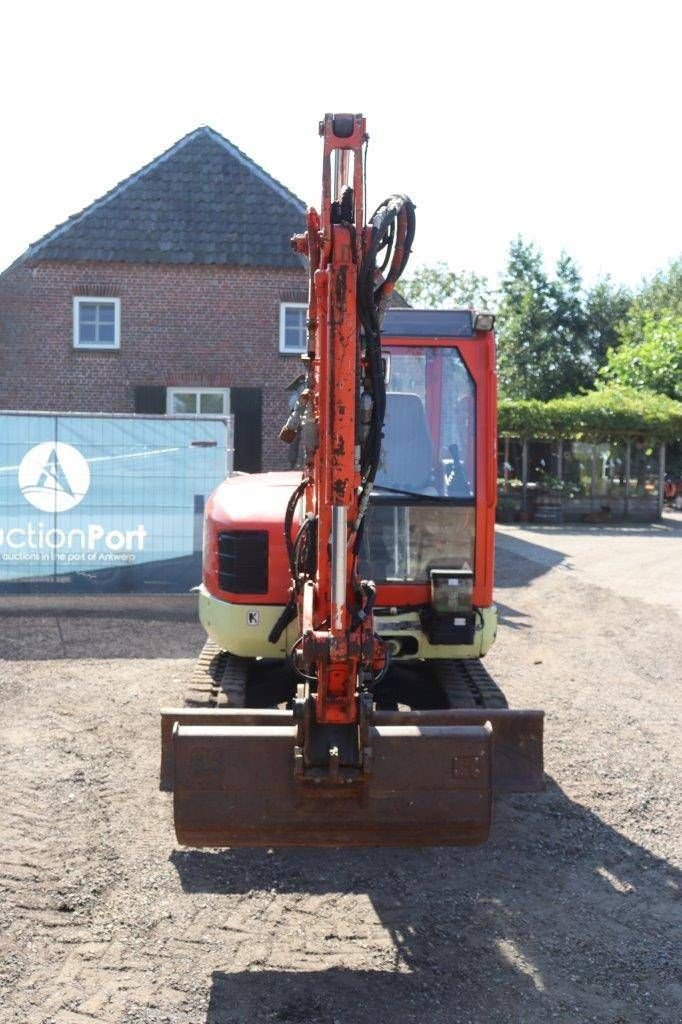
{"type": "Point", "coordinates": [614, 413]}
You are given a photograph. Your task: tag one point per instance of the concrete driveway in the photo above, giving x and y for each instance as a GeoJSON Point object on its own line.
{"type": "Point", "coordinates": [643, 562]}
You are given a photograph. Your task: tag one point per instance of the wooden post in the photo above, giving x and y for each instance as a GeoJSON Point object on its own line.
{"type": "Point", "coordinates": [626, 503]}
{"type": "Point", "coordinates": [524, 475]}
{"type": "Point", "coordinates": [593, 482]}
{"type": "Point", "coordinates": [506, 464]}
{"type": "Point", "coordinates": [661, 477]}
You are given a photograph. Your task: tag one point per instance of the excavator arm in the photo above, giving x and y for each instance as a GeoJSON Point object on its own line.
{"type": "Point", "coordinates": [339, 648]}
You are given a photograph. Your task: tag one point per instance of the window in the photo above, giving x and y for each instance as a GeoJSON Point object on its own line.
{"type": "Point", "coordinates": [96, 323]}
{"type": "Point", "coordinates": [293, 335]}
{"type": "Point", "coordinates": [429, 428]}
{"type": "Point", "coordinates": [198, 401]}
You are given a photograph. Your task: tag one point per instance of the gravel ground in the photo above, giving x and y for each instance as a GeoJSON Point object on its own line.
{"type": "Point", "coordinates": [569, 913]}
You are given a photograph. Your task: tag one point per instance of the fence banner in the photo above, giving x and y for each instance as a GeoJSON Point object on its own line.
{"type": "Point", "coordinates": [106, 503]}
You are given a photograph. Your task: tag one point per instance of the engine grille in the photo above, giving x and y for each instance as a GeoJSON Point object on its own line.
{"type": "Point", "coordinates": [243, 561]}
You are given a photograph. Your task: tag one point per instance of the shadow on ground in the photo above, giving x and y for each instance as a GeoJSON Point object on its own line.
{"type": "Point", "coordinates": [512, 617]}
{"type": "Point", "coordinates": [112, 626]}
{"type": "Point", "coordinates": [503, 933]}
{"type": "Point", "coordinates": [518, 561]}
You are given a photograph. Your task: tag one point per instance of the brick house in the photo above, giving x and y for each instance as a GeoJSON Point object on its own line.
{"type": "Point", "coordinates": [175, 292]}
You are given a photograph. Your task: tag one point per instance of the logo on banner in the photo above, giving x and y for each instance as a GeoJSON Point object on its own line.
{"type": "Point", "coordinates": [54, 476]}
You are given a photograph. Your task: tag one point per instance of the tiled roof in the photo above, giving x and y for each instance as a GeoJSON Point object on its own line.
{"type": "Point", "coordinates": [202, 201]}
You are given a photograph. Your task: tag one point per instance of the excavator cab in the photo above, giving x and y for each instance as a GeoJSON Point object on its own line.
{"type": "Point", "coordinates": [341, 699]}
{"type": "Point", "coordinates": [428, 541]}
{"type": "Point", "coordinates": [422, 510]}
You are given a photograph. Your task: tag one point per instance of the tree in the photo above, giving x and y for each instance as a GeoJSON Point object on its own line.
{"type": "Point", "coordinates": [662, 292]}
{"type": "Point", "coordinates": [650, 355]}
{"type": "Point", "coordinates": [523, 322]}
{"type": "Point", "coordinates": [439, 287]}
{"type": "Point", "coordinates": [648, 349]}
{"type": "Point", "coordinates": [606, 307]}
{"type": "Point", "coordinates": [543, 337]}
{"type": "Point", "coordinates": [568, 325]}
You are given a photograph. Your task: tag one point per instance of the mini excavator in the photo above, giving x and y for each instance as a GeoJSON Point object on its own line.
{"type": "Point", "coordinates": [341, 699]}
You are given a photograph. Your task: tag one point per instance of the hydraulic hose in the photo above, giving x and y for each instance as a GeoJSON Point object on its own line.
{"type": "Point", "coordinates": [392, 229]}
{"type": "Point", "coordinates": [289, 611]}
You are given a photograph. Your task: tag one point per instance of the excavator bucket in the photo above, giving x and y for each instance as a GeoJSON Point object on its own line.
{"type": "Point", "coordinates": [428, 780]}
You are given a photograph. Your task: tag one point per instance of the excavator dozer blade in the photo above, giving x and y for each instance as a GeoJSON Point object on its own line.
{"type": "Point", "coordinates": [517, 737]}
{"type": "Point", "coordinates": [235, 785]}
{"type": "Point", "coordinates": [516, 741]}
{"type": "Point", "coordinates": [208, 716]}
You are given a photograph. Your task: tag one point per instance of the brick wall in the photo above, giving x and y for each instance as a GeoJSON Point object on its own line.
{"type": "Point", "coordinates": [210, 326]}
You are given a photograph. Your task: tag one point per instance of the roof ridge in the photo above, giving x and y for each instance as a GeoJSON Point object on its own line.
{"type": "Point", "coordinates": [260, 172]}
{"type": "Point", "coordinates": [125, 183]}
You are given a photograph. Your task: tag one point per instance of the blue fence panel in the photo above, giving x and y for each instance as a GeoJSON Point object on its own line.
{"type": "Point", "coordinates": [107, 503]}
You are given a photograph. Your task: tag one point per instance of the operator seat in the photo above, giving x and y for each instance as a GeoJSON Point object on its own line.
{"type": "Point", "coordinates": [406, 451]}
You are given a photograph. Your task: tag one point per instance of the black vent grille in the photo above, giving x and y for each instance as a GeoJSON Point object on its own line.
{"type": "Point", "coordinates": [243, 561]}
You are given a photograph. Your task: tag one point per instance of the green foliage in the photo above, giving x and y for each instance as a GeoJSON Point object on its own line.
{"type": "Point", "coordinates": [662, 292]}
{"type": "Point", "coordinates": [555, 338]}
{"type": "Point", "coordinates": [606, 307]}
{"type": "Point", "coordinates": [650, 355]}
{"type": "Point", "coordinates": [543, 336]}
{"type": "Point", "coordinates": [439, 287]}
{"type": "Point", "coordinates": [611, 414]}
{"type": "Point", "coordinates": [523, 324]}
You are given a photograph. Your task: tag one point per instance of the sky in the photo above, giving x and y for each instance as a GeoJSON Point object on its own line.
{"type": "Point", "coordinates": [559, 121]}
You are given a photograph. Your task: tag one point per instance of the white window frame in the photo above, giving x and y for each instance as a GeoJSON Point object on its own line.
{"type": "Point", "coordinates": [171, 392]}
{"type": "Point", "coordinates": [101, 299]}
{"type": "Point", "coordinates": [283, 306]}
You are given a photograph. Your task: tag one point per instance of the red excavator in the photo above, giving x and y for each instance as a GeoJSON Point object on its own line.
{"type": "Point", "coordinates": [341, 698]}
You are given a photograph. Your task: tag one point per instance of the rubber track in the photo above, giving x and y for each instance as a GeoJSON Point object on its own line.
{"type": "Point", "coordinates": [467, 684]}
{"type": "Point", "coordinates": [218, 680]}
